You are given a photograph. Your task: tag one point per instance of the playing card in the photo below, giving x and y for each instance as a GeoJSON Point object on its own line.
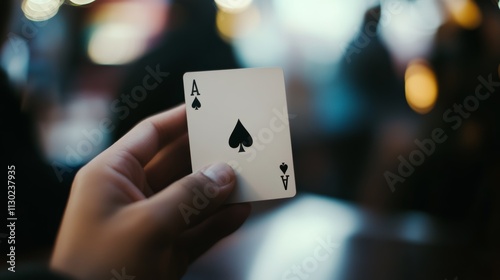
{"type": "Point", "coordinates": [240, 117]}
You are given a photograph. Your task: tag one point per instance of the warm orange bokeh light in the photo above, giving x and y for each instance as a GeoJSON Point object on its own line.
{"type": "Point", "coordinates": [421, 88]}
{"type": "Point", "coordinates": [233, 25]}
{"type": "Point", "coordinates": [465, 13]}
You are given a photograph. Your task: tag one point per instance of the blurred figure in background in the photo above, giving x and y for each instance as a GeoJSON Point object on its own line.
{"type": "Point", "coordinates": [192, 44]}
{"type": "Point", "coordinates": [40, 196]}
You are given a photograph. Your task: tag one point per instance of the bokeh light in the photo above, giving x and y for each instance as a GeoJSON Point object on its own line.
{"type": "Point", "coordinates": [231, 25]}
{"type": "Point", "coordinates": [121, 32]}
{"type": "Point", "coordinates": [115, 43]}
{"type": "Point", "coordinates": [420, 86]}
{"type": "Point", "coordinates": [321, 18]}
{"type": "Point", "coordinates": [226, 24]}
{"type": "Point", "coordinates": [233, 6]}
{"type": "Point", "coordinates": [81, 2]}
{"type": "Point", "coordinates": [40, 10]}
{"type": "Point", "coordinates": [251, 52]}
{"type": "Point", "coordinates": [465, 13]}
{"type": "Point", "coordinates": [313, 32]}
{"type": "Point", "coordinates": [303, 231]}
{"type": "Point", "coordinates": [408, 28]}
{"type": "Point", "coordinates": [15, 61]}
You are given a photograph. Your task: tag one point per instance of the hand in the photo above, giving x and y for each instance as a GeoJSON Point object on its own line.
{"type": "Point", "coordinates": [121, 214]}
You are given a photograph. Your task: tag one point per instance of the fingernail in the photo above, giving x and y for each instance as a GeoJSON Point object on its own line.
{"type": "Point", "coordinates": [220, 173]}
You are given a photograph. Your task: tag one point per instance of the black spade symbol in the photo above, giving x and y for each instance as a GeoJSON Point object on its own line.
{"type": "Point", "coordinates": [196, 103]}
{"type": "Point", "coordinates": [284, 167]}
{"type": "Point", "coordinates": [240, 137]}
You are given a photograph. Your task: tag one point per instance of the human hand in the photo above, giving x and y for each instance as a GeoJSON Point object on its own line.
{"type": "Point", "coordinates": [122, 214]}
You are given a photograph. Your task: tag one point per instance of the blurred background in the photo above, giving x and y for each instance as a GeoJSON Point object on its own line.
{"type": "Point", "coordinates": [393, 108]}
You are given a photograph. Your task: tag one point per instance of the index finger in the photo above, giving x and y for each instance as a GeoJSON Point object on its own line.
{"type": "Point", "coordinates": [147, 138]}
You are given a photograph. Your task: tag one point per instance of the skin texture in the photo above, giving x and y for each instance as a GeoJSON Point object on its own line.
{"type": "Point", "coordinates": [123, 210]}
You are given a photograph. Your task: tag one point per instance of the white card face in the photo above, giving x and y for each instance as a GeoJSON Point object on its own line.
{"type": "Point", "coordinates": [240, 117]}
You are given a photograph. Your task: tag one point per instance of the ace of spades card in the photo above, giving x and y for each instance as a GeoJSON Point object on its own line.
{"type": "Point", "coordinates": [240, 117]}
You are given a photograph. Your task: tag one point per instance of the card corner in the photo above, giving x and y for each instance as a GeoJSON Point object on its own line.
{"type": "Point", "coordinates": [185, 75]}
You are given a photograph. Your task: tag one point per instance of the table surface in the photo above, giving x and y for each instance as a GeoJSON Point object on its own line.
{"type": "Point", "coordinates": [315, 237]}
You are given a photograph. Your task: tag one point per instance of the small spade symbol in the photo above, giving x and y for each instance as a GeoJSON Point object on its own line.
{"type": "Point", "coordinates": [240, 137]}
{"type": "Point", "coordinates": [196, 103]}
{"type": "Point", "coordinates": [284, 178]}
{"type": "Point", "coordinates": [284, 167]}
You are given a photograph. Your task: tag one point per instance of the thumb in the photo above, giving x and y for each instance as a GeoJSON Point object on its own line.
{"type": "Point", "coordinates": [193, 198]}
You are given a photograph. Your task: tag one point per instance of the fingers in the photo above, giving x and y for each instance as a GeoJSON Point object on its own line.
{"type": "Point", "coordinates": [191, 199]}
{"type": "Point", "coordinates": [170, 164]}
{"type": "Point", "coordinates": [201, 238]}
{"type": "Point", "coordinates": [151, 135]}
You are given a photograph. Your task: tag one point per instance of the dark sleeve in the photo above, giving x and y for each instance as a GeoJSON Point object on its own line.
{"type": "Point", "coordinates": [33, 273]}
